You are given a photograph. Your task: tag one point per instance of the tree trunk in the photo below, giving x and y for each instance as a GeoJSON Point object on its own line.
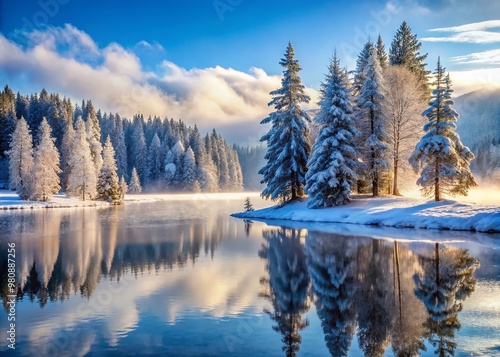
{"type": "Point", "coordinates": [437, 193]}
{"type": "Point", "coordinates": [374, 171]}
{"type": "Point", "coordinates": [395, 178]}
{"type": "Point", "coordinates": [294, 188]}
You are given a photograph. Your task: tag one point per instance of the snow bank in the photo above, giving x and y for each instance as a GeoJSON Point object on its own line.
{"type": "Point", "coordinates": [10, 200]}
{"type": "Point", "coordinates": [390, 211]}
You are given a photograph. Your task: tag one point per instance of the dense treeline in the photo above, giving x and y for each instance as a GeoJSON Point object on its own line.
{"type": "Point", "coordinates": [151, 153]}
{"type": "Point", "coordinates": [251, 157]}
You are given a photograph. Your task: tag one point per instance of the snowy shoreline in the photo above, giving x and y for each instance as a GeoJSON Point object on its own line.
{"type": "Point", "coordinates": [390, 211]}
{"type": "Point", "coordinates": [10, 201]}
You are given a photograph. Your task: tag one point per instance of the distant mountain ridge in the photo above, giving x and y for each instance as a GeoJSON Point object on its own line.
{"type": "Point", "coordinates": [479, 126]}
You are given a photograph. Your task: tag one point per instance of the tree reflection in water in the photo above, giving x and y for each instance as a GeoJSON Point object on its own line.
{"type": "Point", "coordinates": [390, 294]}
{"type": "Point", "coordinates": [445, 283]}
{"type": "Point", "coordinates": [66, 252]}
{"type": "Point", "coordinates": [331, 263]}
{"type": "Point", "coordinates": [287, 285]}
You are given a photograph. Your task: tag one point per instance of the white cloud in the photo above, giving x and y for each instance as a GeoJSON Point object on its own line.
{"type": "Point", "coordinates": [468, 33]}
{"type": "Point", "coordinates": [472, 80]}
{"type": "Point", "coordinates": [475, 26]}
{"type": "Point", "coordinates": [468, 37]}
{"type": "Point", "coordinates": [485, 57]}
{"type": "Point", "coordinates": [68, 61]}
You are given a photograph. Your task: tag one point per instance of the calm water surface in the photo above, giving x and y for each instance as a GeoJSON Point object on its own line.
{"type": "Point", "coordinates": [185, 279]}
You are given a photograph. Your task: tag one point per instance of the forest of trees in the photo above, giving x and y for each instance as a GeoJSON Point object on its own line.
{"type": "Point", "coordinates": [92, 154]}
{"type": "Point", "coordinates": [371, 129]}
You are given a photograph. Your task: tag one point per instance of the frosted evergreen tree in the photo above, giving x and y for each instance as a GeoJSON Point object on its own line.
{"type": "Point", "coordinates": [189, 171]}
{"type": "Point", "coordinates": [118, 140]}
{"type": "Point", "coordinates": [108, 186]}
{"type": "Point", "coordinates": [66, 150]}
{"type": "Point", "coordinates": [288, 144]}
{"type": "Point", "coordinates": [139, 150]}
{"type": "Point", "coordinates": [57, 119]}
{"type": "Point", "coordinates": [8, 108]}
{"type": "Point", "coordinates": [123, 187]}
{"type": "Point", "coordinates": [333, 161]}
{"type": "Point", "coordinates": [154, 162]}
{"type": "Point", "coordinates": [177, 170]}
{"type": "Point", "coordinates": [21, 159]}
{"type": "Point", "coordinates": [93, 135]}
{"type": "Point", "coordinates": [405, 51]}
{"type": "Point", "coordinates": [248, 205]}
{"type": "Point", "coordinates": [440, 157]}
{"type": "Point", "coordinates": [235, 174]}
{"type": "Point", "coordinates": [82, 179]}
{"type": "Point", "coordinates": [381, 53]}
{"type": "Point", "coordinates": [223, 166]}
{"type": "Point", "coordinates": [371, 122]}
{"type": "Point", "coordinates": [170, 170]}
{"type": "Point", "coordinates": [361, 62]}
{"type": "Point", "coordinates": [95, 147]}
{"type": "Point", "coordinates": [134, 185]}
{"type": "Point", "coordinates": [46, 168]}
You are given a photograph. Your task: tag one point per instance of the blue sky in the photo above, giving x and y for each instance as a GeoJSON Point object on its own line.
{"type": "Point", "coordinates": [200, 39]}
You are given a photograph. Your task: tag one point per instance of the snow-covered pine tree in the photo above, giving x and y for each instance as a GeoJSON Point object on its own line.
{"type": "Point", "coordinates": [7, 118]}
{"type": "Point", "coordinates": [46, 168]}
{"type": "Point", "coordinates": [223, 167]}
{"type": "Point", "coordinates": [235, 174]}
{"type": "Point", "coordinates": [154, 163]}
{"type": "Point", "coordinates": [288, 144]}
{"type": "Point", "coordinates": [440, 156]}
{"type": "Point", "coordinates": [371, 122]}
{"type": "Point", "coordinates": [118, 141]}
{"type": "Point", "coordinates": [21, 159]}
{"type": "Point", "coordinates": [189, 171]}
{"type": "Point", "coordinates": [66, 150]}
{"type": "Point", "coordinates": [177, 159]}
{"type": "Point", "coordinates": [138, 150]}
{"type": "Point", "coordinates": [333, 163]}
{"type": "Point", "coordinates": [82, 179]}
{"type": "Point", "coordinates": [248, 205]}
{"type": "Point", "coordinates": [381, 53]}
{"type": "Point", "coordinates": [134, 185]}
{"type": "Point", "coordinates": [123, 187]}
{"type": "Point", "coordinates": [405, 51]}
{"type": "Point", "coordinates": [359, 72]}
{"type": "Point", "coordinates": [108, 186]}
{"type": "Point", "coordinates": [93, 136]}
{"type": "Point", "coordinates": [170, 170]}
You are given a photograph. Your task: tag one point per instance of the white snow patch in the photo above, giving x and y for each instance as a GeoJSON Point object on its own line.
{"type": "Point", "coordinates": [391, 211]}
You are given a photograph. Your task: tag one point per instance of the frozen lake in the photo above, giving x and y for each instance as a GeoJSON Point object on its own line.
{"type": "Point", "coordinates": [182, 278]}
